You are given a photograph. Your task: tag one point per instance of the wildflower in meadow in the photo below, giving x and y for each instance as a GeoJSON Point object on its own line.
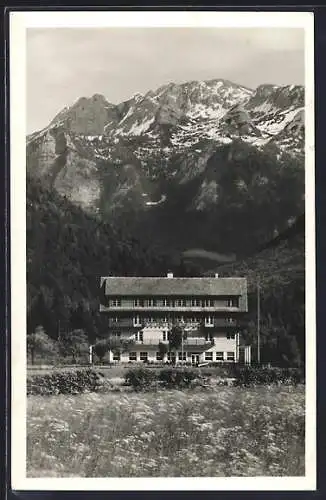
{"type": "Point", "coordinates": [222, 432]}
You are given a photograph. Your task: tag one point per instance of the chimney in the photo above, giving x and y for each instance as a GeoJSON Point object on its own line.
{"type": "Point", "coordinates": [170, 275]}
{"type": "Point", "coordinates": [216, 275]}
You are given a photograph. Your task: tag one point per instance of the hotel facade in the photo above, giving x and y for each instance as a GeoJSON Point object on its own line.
{"type": "Point", "coordinates": [210, 312]}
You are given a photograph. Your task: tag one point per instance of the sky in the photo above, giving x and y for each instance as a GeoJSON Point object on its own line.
{"type": "Point", "coordinates": [64, 64]}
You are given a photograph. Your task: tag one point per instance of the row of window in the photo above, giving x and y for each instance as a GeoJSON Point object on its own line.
{"type": "Point", "coordinates": [171, 356]}
{"type": "Point", "coordinates": [229, 336]}
{"type": "Point", "coordinates": [219, 356]}
{"type": "Point", "coordinates": [139, 337]}
{"type": "Point", "coordinates": [234, 302]}
{"type": "Point", "coordinates": [140, 321]}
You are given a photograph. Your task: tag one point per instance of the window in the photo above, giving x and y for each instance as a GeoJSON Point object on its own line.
{"type": "Point", "coordinates": [208, 303]}
{"type": "Point", "coordinates": [165, 302]}
{"type": "Point", "coordinates": [230, 356]}
{"type": "Point", "coordinates": [171, 356]}
{"type": "Point", "coordinates": [132, 356]}
{"type": "Point", "coordinates": [195, 302]}
{"type": "Point", "coordinates": [184, 356]}
{"type": "Point", "coordinates": [230, 336]}
{"type": "Point", "coordinates": [219, 356]}
{"type": "Point", "coordinates": [139, 336]}
{"type": "Point", "coordinates": [233, 302]}
{"type": "Point", "coordinates": [209, 337]}
{"type": "Point", "coordinates": [137, 321]}
{"type": "Point", "coordinates": [143, 356]}
{"type": "Point", "coordinates": [115, 319]}
{"type": "Point", "coordinates": [138, 303]}
{"type": "Point", "coordinates": [159, 356]}
{"type": "Point", "coordinates": [165, 319]}
{"type": "Point", "coordinates": [230, 321]}
{"type": "Point", "coordinates": [150, 302]}
{"type": "Point", "coordinates": [165, 335]}
{"type": "Point", "coordinates": [116, 356]}
{"type": "Point", "coordinates": [116, 302]}
{"type": "Point", "coordinates": [193, 320]}
{"type": "Point", "coordinates": [208, 356]}
{"type": "Point", "coordinates": [209, 321]}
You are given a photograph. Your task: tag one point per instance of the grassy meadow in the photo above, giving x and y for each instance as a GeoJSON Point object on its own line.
{"type": "Point", "coordinates": [225, 431]}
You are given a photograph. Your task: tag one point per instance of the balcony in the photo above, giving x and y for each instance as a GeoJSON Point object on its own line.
{"type": "Point", "coordinates": [151, 341]}
{"type": "Point", "coordinates": [186, 342]}
{"type": "Point", "coordinates": [166, 309]}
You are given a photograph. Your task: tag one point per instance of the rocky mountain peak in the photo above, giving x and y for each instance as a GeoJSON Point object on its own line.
{"type": "Point", "coordinates": [87, 116]}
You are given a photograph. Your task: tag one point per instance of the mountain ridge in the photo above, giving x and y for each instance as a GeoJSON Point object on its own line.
{"type": "Point", "coordinates": [200, 154]}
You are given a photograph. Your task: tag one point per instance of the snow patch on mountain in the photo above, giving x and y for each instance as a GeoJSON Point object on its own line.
{"type": "Point", "coordinates": [155, 203]}
{"type": "Point", "coordinates": [279, 121]}
{"type": "Point", "coordinates": [201, 111]}
{"type": "Point", "coordinates": [140, 128]}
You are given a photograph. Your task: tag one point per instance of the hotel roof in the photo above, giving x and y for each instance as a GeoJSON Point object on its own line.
{"type": "Point", "coordinates": [144, 286]}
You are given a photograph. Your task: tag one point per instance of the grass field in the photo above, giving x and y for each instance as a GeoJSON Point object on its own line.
{"type": "Point", "coordinates": [227, 431]}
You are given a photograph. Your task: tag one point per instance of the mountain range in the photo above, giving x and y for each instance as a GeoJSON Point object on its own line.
{"type": "Point", "coordinates": [202, 166]}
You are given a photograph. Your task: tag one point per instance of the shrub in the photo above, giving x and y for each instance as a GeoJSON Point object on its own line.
{"type": "Point", "coordinates": [177, 377]}
{"type": "Point", "coordinates": [254, 375]}
{"type": "Point", "coordinates": [140, 378]}
{"type": "Point", "coordinates": [64, 382]}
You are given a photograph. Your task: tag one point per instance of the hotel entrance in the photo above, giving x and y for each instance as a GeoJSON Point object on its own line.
{"type": "Point", "coordinates": [195, 358]}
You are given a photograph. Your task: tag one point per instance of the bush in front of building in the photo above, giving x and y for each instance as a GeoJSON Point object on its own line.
{"type": "Point", "coordinates": [177, 378]}
{"type": "Point", "coordinates": [64, 382]}
{"type": "Point", "coordinates": [246, 376]}
{"type": "Point", "coordinates": [144, 378]}
{"type": "Point", "coordinates": [223, 370]}
{"type": "Point", "coordinates": [141, 378]}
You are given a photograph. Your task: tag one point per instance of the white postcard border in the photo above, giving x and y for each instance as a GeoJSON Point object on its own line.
{"type": "Point", "coordinates": [19, 22]}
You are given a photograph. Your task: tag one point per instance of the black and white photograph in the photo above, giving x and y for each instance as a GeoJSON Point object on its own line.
{"type": "Point", "coordinates": [162, 213]}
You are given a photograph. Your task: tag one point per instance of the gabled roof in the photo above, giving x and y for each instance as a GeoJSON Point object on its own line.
{"type": "Point", "coordinates": [144, 286]}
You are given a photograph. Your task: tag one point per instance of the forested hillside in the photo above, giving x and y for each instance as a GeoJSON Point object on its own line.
{"type": "Point", "coordinates": [67, 252]}
{"type": "Point", "coordinates": [279, 270]}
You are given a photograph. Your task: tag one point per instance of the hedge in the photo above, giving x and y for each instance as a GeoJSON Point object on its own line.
{"type": "Point", "coordinates": [177, 378]}
{"type": "Point", "coordinates": [142, 378]}
{"type": "Point", "coordinates": [247, 376]}
{"type": "Point", "coordinates": [64, 382]}
{"type": "Point", "coordinates": [243, 376]}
